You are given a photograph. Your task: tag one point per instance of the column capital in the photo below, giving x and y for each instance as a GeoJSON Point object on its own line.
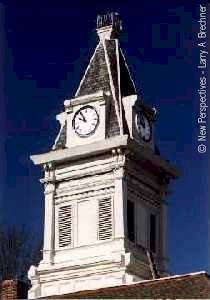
{"type": "Point", "coordinates": [119, 172]}
{"type": "Point", "coordinates": [49, 187]}
{"type": "Point", "coordinates": [49, 178]}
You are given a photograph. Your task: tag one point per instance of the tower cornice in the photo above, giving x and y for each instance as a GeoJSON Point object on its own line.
{"type": "Point", "coordinates": [100, 147]}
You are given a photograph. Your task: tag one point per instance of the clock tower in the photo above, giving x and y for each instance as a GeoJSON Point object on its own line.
{"type": "Point", "coordinates": [105, 184]}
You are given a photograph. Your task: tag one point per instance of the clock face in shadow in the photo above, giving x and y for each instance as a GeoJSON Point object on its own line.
{"type": "Point", "coordinates": [143, 126]}
{"type": "Point", "coordinates": [85, 121]}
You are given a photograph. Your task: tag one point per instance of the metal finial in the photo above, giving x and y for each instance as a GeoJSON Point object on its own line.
{"type": "Point", "coordinates": [109, 19]}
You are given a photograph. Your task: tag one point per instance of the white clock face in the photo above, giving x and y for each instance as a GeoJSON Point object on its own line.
{"type": "Point", "coordinates": [85, 121]}
{"type": "Point", "coordinates": [143, 126]}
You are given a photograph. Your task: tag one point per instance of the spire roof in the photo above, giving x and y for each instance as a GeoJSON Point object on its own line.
{"type": "Point", "coordinates": [107, 69]}
{"type": "Point", "coordinates": [97, 75]}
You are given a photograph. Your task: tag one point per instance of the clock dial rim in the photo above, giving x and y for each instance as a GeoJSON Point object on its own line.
{"type": "Point", "coordinates": [95, 127]}
{"type": "Point", "coordinates": [138, 114]}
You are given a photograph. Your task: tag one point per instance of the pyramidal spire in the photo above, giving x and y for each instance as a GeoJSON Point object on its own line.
{"type": "Point", "coordinates": [107, 69]}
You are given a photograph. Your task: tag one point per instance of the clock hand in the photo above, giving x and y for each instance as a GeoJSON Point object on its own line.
{"type": "Point", "coordinates": [142, 122]}
{"type": "Point", "coordinates": [83, 117]}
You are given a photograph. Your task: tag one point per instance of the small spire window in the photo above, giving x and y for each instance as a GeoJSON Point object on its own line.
{"type": "Point", "coordinates": [131, 221]}
{"type": "Point", "coordinates": [152, 237]}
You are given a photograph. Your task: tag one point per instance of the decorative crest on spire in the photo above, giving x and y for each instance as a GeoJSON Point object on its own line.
{"type": "Point", "coordinates": [109, 25]}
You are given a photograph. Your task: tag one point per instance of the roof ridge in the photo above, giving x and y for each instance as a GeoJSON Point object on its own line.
{"type": "Point", "coordinates": [126, 65]}
{"type": "Point", "coordinates": [176, 276]}
{"type": "Point", "coordinates": [112, 86]}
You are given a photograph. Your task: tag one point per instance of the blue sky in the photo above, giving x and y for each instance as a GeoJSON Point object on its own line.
{"type": "Point", "coordinates": [46, 48]}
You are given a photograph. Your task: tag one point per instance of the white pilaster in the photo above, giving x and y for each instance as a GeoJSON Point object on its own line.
{"type": "Point", "coordinates": [49, 224]}
{"type": "Point", "coordinates": [119, 204]}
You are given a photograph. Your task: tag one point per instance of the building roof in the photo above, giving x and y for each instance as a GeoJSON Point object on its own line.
{"type": "Point", "coordinates": [193, 285]}
{"type": "Point", "coordinates": [188, 286]}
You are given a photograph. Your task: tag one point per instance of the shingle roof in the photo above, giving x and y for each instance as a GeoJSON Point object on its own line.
{"type": "Point", "coordinates": [97, 75]}
{"type": "Point", "coordinates": [194, 285]}
{"type": "Point", "coordinates": [126, 83]}
{"type": "Point", "coordinates": [61, 142]}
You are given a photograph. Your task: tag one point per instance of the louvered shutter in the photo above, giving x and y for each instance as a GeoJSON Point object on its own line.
{"type": "Point", "coordinates": [105, 219]}
{"type": "Point", "coordinates": [65, 225]}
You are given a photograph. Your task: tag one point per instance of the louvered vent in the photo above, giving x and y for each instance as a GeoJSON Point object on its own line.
{"type": "Point", "coordinates": [65, 225]}
{"type": "Point", "coordinates": [105, 219]}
